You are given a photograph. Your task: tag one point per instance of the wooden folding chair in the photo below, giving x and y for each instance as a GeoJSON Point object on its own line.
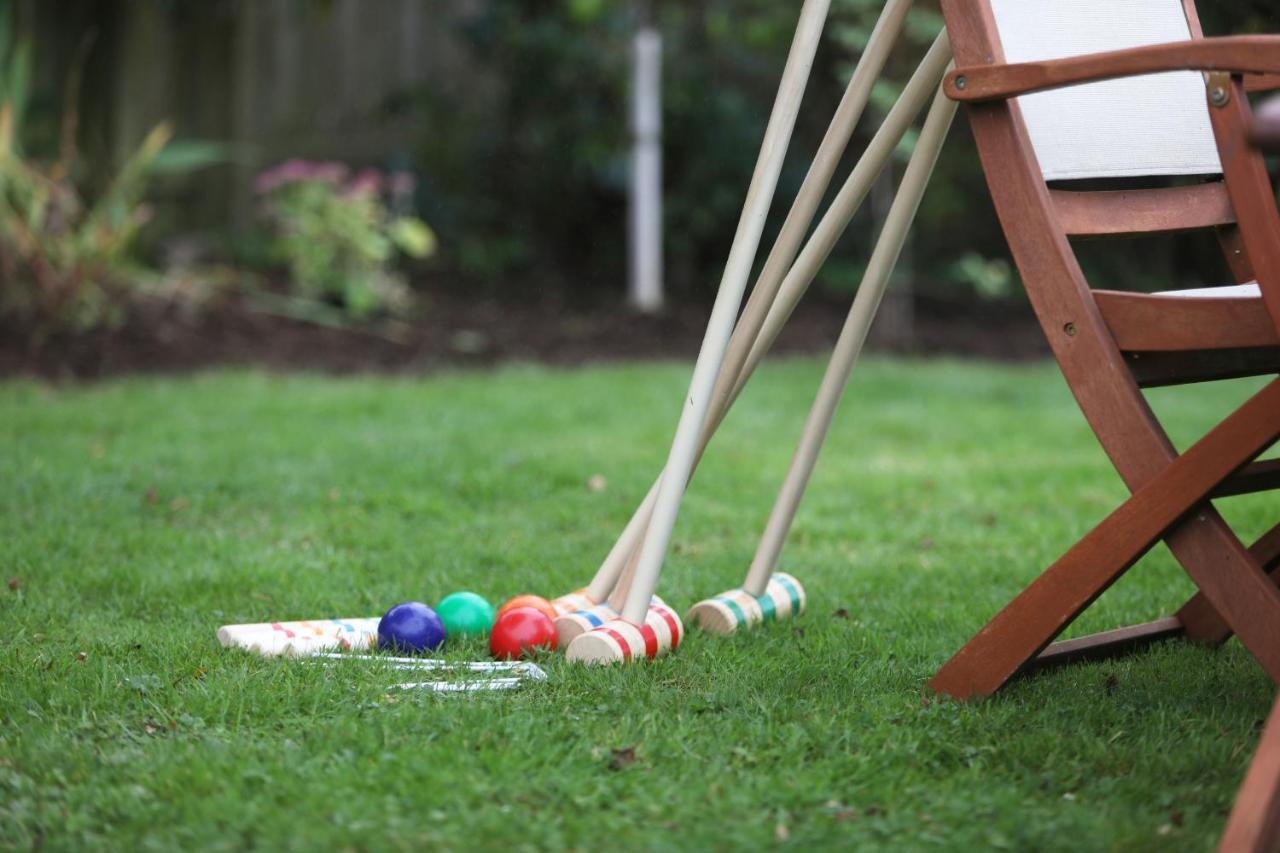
{"type": "Point", "coordinates": [1254, 824]}
{"type": "Point", "coordinates": [1064, 90]}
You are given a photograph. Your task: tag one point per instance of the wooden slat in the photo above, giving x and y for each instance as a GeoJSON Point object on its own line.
{"type": "Point", "coordinates": [1107, 643]}
{"type": "Point", "coordinates": [1148, 322]}
{"type": "Point", "coordinates": [1261, 476]}
{"type": "Point", "coordinates": [1151, 211]}
{"type": "Point", "coordinates": [1261, 82]}
{"type": "Point", "coordinates": [1161, 369]}
{"type": "Point", "coordinates": [1256, 54]}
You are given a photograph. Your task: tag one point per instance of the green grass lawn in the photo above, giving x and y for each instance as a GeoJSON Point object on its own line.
{"type": "Point", "coordinates": [138, 515]}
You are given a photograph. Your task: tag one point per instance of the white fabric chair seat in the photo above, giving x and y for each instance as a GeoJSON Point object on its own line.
{"type": "Point", "coordinates": [1248, 291]}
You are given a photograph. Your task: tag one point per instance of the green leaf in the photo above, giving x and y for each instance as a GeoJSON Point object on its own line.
{"type": "Point", "coordinates": [189, 155]}
{"type": "Point", "coordinates": [413, 237]}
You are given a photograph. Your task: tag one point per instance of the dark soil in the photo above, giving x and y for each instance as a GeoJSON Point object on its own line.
{"type": "Point", "coordinates": [457, 329]}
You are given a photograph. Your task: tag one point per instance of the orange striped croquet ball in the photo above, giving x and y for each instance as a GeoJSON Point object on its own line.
{"type": "Point", "coordinates": [537, 602]}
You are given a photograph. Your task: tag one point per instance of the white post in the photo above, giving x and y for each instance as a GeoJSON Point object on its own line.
{"type": "Point", "coordinates": [645, 201]}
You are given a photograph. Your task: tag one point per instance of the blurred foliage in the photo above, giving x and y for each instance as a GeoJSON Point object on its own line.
{"type": "Point", "coordinates": [66, 263]}
{"type": "Point", "coordinates": [523, 160]}
{"type": "Point", "coordinates": [338, 239]}
{"type": "Point", "coordinates": [532, 179]}
{"type": "Point", "coordinates": [532, 176]}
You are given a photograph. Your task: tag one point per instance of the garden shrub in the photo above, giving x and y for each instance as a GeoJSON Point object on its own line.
{"type": "Point", "coordinates": [338, 237]}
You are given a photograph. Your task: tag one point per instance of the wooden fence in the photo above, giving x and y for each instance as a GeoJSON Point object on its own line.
{"type": "Point", "coordinates": [277, 78]}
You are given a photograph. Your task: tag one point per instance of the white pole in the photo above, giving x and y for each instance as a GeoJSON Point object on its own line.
{"type": "Point", "coordinates": [645, 201]}
{"type": "Point", "coordinates": [773, 150]}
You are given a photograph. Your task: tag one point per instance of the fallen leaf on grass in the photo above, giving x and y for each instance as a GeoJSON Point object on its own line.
{"type": "Point", "coordinates": [597, 483]}
{"type": "Point", "coordinates": [14, 584]}
{"type": "Point", "coordinates": [622, 758]}
{"type": "Point", "coordinates": [151, 496]}
{"type": "Point", "coordinates": [197, 674]}
{"type": "Point", "coordinates": [839, 811]}
{"type": "Point", "coordinates": [781, 832]}
{"type": "Point", "coordinates": [841, 613]}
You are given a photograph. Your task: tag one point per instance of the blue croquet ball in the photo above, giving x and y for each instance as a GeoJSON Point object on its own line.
{"type": "Point", "coordinates": [410, 627]}
{"type": "Point", "coordinates": [465, 614]}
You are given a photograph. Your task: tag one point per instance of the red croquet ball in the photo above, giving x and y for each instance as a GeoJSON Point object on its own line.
{"type": "Point", "coordinates": [520, 630]}
{"type": "Point", "coordinates": [537, 602]}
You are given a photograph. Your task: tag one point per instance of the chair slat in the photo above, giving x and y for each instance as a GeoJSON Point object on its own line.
{"type": "Point", "coordinates": [1150, 211]}
{"type": "Point", "coordinates": [1147, 322]}
{"type": "Point", "coordinates": [1260, 476]}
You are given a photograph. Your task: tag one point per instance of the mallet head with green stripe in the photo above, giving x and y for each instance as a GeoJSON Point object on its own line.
{"type": "Point", "coordinates": [783, 598]}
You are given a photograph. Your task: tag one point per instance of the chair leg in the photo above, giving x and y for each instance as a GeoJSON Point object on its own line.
{"type": "Point", "coordinates": [1196, 620]}
{"type": "Point", "coordinates": [1051, 602]}
{"type": "Point", "coordinates": [1201, 621]}
{"type": "Point", "coordinates": [1254, 825]}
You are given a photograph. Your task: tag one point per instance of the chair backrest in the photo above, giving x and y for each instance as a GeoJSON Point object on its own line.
{"type": "Point", "coordinates": [1157, 124]}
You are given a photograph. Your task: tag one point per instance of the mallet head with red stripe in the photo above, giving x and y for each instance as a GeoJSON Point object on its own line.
{"type": "Point", "coordinates": [570, 625]}
{"type": "Point", "coordinates": [618, 640]}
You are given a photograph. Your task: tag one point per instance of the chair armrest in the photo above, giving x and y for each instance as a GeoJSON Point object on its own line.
{"type": "Point", "coordinates": [1258, 55]}
{"type": "Point", "coordinates": [1264, 129]}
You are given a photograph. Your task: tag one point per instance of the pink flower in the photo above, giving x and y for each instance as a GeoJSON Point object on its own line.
{"type": "Point", "coordinates": [367, 182]}
{"type": "Point", "coordinates": [296, 170]}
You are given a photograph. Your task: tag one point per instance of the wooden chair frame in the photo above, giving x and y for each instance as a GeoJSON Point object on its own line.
{"type": "Point", "coordinates": [1110, 345]}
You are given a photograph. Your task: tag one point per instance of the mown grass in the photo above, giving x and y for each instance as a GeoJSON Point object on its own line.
{"type": "Point", "coordinates": [138, 515]}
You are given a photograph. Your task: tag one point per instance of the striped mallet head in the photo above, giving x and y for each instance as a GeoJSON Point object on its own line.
{"type": "Point", "coordinates": [572, 602]}
{"type": "Point", "coordinates": [618, 641]}
{"type": "Point", "coordinates": [570, 625]}
{"type": "Point", "coordinates": [725, 613]}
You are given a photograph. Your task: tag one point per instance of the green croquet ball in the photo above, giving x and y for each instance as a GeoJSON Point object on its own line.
{"type": "Point", "coordinates": [465, 614]}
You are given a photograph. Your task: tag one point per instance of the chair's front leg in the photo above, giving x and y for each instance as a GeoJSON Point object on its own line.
{"type": "Point", "coordinates": [1030, 622]}
{"type": "Point", "coordinates": [1254, 825]}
